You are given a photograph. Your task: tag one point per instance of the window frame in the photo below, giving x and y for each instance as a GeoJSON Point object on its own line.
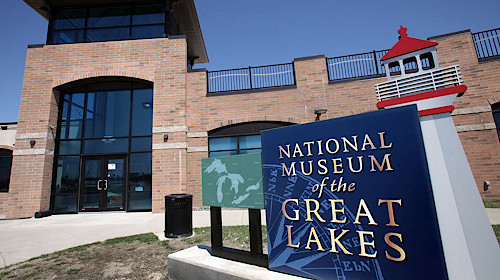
{"type": "Point", "coordinates": [87, 86]}
{"type": "Point", "coordinates": [495, 110]}
{"type": "Point", "coordinates": [238, 146]}
{"type": "Point", "coordinates": [6, 153]}
{"type": "Point", "coordinates": [242, 130]}
{"type": "Point", "coordinates": [130, 26]}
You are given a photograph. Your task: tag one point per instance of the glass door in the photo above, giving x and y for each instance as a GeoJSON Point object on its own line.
{"type": "Point", "coordinates": [103, 183]}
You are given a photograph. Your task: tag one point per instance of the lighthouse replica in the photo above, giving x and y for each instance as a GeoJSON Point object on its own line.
{"type": "Point", "coordinates": [414, 77]}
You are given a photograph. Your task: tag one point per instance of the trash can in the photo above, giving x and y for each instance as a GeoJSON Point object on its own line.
{"type": "Point", "coordinates": [178, 215]}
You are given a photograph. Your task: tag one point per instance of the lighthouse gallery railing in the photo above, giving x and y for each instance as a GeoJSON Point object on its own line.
{"type": "Point", "coordinates": [415, 83]}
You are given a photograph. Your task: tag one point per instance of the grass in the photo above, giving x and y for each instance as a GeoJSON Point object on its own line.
{"type": "Point", "coordinates": [496, 228]}
{"type": "Point", "coordinates": [140, 256]}
{"type": "Point", "coordinates": [491, 203]}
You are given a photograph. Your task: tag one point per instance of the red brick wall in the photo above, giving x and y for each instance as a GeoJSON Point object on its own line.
{"type": "Point", "coordinates": [475, 125]}
{"type": "Point", "coordinates": [353, 97]}
{"type": "Point", "coordinates": [184, 112]}
{"type": "Point", "coordinates": [162, 61]}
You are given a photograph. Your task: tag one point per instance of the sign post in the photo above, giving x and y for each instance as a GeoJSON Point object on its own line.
{"type": "Point", "coordinates": [235, 181]}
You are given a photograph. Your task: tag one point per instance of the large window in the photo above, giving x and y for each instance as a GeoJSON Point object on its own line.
{"type": "Point", "coordinates": [238, 139]}
{"type": "Point", "coordinates": [99, 119]}
{"type": "Point", "coordinates": [110, 23]}
{"type": "Point", "coordinates": [234, 145]}
{"type": "Point", "coordinates": [5, 165]}
{"type": "Point", "coordinates": [495, 108]}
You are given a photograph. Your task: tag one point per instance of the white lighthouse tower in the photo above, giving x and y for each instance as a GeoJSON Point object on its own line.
{"type": "Point", "coordinates": [414, 77]}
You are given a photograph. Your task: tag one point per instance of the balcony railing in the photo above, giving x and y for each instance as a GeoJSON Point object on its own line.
{"type": "Point", "coordinates": [251, 78]}
{"type": "Point", "coordinates": [487, 44]}
{"type": "Point", "coordinates": [356, 66]}
{"type": "Point", "coordinates": [416, 83]}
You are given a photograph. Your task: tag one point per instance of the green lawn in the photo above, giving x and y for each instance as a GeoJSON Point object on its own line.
{"type": "Point", "coordinates": [133, 257]}
{"type": "Point", "coordinates": [491, 203]}
{"type": "Point", "coordinates": [140, 256]}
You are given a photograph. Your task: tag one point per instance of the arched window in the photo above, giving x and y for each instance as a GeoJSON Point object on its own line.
{"type": "Point", "coordinates": [238, 138]}
{"type": "Point", "coordinates": [495, 109]}
{"type": "Point", "coordinates": [5, 166]}
{"type": "Point", "coordinates": [103, 157]}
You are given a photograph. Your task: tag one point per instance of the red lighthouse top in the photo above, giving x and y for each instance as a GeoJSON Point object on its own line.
{"type": "Point", "coordinates": [407, 45]}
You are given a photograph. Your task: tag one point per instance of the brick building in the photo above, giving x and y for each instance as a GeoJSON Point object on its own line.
{"type": "Point", "coordinates": [113, 117]}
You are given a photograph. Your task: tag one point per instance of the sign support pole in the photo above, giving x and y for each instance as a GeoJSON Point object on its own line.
{"type": "Point", "coordinates": [468, 239]}
{"type": "Point", "coordinates": [470, 247]}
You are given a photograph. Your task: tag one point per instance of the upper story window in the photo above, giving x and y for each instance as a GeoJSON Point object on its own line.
{"type": "Point", "coordinates": [5, 165]}
{"type": "Point", "coordinates": [109, 23]}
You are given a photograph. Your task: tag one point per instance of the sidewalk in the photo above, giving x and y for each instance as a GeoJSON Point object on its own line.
{"type": "Point", "coordinates": [24, 239]}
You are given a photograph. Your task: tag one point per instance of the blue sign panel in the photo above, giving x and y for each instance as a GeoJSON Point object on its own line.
{"type": "Point", "coordinates": [351, 198]}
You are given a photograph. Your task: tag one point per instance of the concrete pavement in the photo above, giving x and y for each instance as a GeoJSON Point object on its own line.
{"type": "Point", "coordinates": [23, 239]}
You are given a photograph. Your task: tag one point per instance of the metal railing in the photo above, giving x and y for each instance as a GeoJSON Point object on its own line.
{"type": "Point", "coordinates": [268, 76]}
{"type": "Point", "coordinates": [416, 83]}
{"type": "Point", "coordinates": [487, 44]}
{"type": "Point", "coordinates": [355, 66]}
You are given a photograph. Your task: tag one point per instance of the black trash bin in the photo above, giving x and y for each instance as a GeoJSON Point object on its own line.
{"type": "Point", "coordinates": [178, 215]}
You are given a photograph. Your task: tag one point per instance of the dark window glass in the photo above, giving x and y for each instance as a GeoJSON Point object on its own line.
{"type": "Point", "coordinates": [65, 203]}
{"type": "Point", "coordinates": [394, 68]}
{"type": "Point", "coordinates": [223, 143]}
{"type": "Point", "coordinates": [234, 145]}
{"type": "Point", "coordinates": [66, 37]}
{"type": "Point", "coordinates": [241, 138]}
{"type": "Point", "coordinates": [410, 65]}
{"type": "Point", "coordinates": [69, 147]}
{"type": "Point", "coordinates": [69, 19]}
{"type": "Point", "coordinates": [108, 24]}
{"type": "Point", "coordinates": [148, 14]}
{"type": "Point", "coordinates": [224, 153]}
{"type": "Point", "coordinates": [147, 31]}
{"type": "Point", "coordinates": [141, 144]}
{"type": "Point", "coordinates": [72, 121]}
{"type": "Point", "coordinates": [106, 121]}
{"type": "Point", "coordinates": [106, 145]}
{"type": "Point", "coordinates": [139, 201]}
{"type": "Point", "coordinates": [140, 181]}
{"type": "Point", "coordinates": [496, 116]}
{"type": "Point", "coordinates": [140, 172]}
{"type": "Point", "coordinates": [427, 61]}
{"type": "Point", "coordinates": [250, 151]}
{"type": "Point", "coordinates": [66, 176]}
{"type": "Point", "coordinates": [5, 166]}
{"type": "Point", "coordinates": [107, 34]}
{"type": "Point", "coordinates": [108, 16]}
{"type": "Point", "coordinates": [107, 114]}
{"type": "Point", "coordinates": [250, 142]}
{"type": "Point", "coordinates": [142, 112]}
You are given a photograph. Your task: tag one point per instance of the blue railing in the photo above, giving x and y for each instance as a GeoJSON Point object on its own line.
{"type": "Point", "coordinates": [487, 44]}
{"type": "Point", "coordinates": [356, 66]}
{"type": "Point", "coordinates": [268, 76]}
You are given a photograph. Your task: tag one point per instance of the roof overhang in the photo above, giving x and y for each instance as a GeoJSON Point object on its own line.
{"type": "Point", "coordinates": [184, 10]}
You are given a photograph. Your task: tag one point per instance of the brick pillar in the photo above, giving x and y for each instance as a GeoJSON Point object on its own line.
{"type": "Point", "coordinates": [31, 174]}
{"type": "Point", "coordinates": [169, 119]}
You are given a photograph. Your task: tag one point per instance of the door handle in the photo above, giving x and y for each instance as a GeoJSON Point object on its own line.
{"type": "Point", "coordinates": [99, 185]}
{"type": "Point", "coordinates": [105, 185]}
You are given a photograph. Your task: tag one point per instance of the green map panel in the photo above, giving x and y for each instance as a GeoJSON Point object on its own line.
{"type": "Point", "coordinates": [233, 181]}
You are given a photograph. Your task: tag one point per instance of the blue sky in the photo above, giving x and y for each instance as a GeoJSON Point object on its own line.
{"type": "Point", "coordinates": [260, 32]}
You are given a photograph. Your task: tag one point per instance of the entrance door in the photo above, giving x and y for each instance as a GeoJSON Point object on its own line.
{"type": "Point", "coordinates": [103, 183]}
